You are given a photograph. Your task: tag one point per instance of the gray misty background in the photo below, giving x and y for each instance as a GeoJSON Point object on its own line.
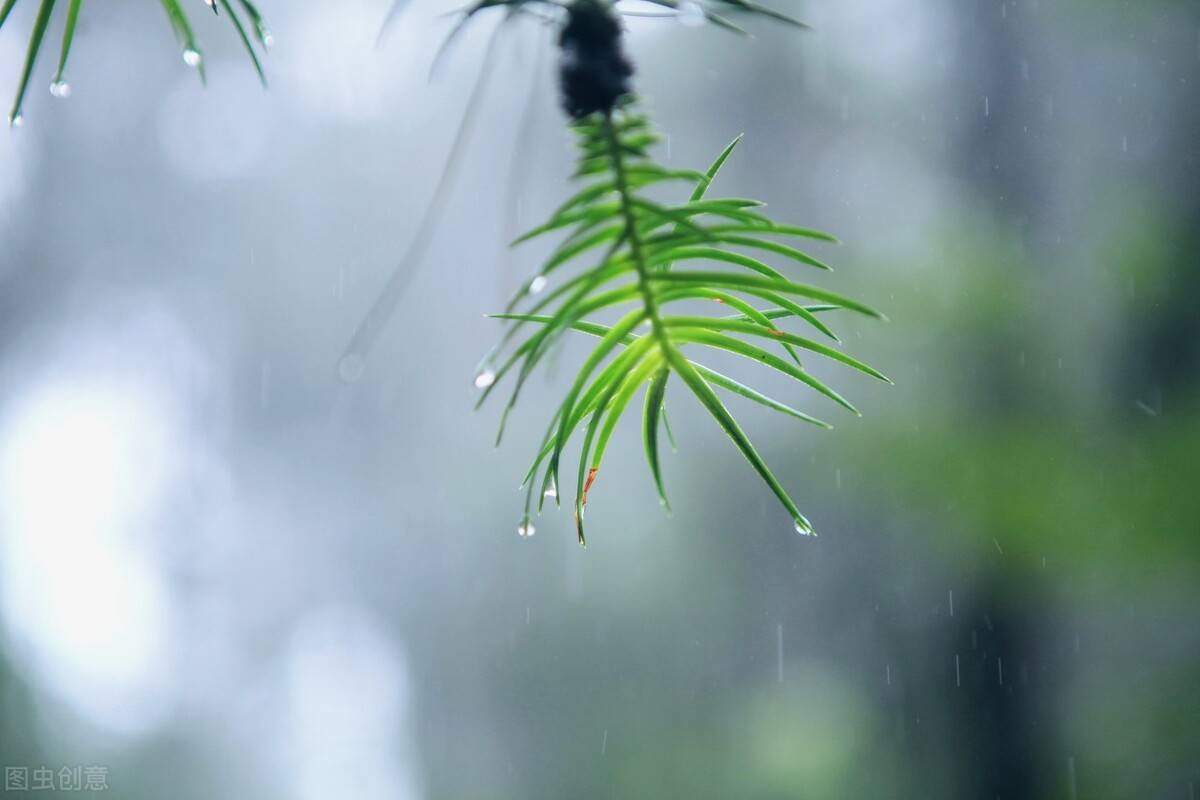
{"type": "Point", "coordinates": [226, 572]}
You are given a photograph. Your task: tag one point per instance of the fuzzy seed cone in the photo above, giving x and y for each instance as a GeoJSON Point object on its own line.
{"type": "Point", "coordinates": [593, 71]}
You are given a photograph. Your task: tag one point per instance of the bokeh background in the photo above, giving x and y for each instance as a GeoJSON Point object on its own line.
{"type": "Point", "coordinates": [225, 571]}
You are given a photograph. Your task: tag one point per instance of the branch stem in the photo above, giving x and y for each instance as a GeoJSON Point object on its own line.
{"type": "Point", "coordinates": [621, 184]}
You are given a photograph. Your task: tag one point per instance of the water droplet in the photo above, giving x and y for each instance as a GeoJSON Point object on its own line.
{"type": "Point", "coordinates": [16, 120]}
{"type": "Point", "coordinates": [485, 379]}
{"type": "Point", "coordinates": [551, 490]}
{"type": "Point", "coordinates": [804, 529]}
{"type": "Point", "coordinates": [351, 367]}
{"type": "Point", "coordinates": [268, 39]}
{"type": "Point", "coordinates": [538, 284]}
{"type": "Point", "coordinates": [60, 88]}
{"type": "Point", "coordinates": [690, 14]}
{"type": "Point", "coordinates": [526, 529]}
{"type": "Point", "coordinates": [191, 57]}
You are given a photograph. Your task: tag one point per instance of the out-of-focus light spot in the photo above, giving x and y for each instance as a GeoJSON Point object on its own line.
{"type": "Point", "coordinates": [95, 454]}
{"type": "Point", "coordinates": [348, 701]}
{"type": "Point", "coordinates": [83, 460]}
{"type": "Point", "coordinates": [900, 60]}
{"type": "Point", "coordinates": [809, 732]}
{"type": "Point", "coordinates": [217, 132]}
{"type": "Point", "coordinates": [336, 66]}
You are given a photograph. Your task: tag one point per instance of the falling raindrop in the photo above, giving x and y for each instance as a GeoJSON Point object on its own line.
{"type": "Point", "coordinates": [987, 106]}
{"type": "Point", "coordinates": [191, 57]}
{"type": "Point", "coordinates": [485, 378]}
{"type": "Point", "coordinates": [351, 367]}
{"type": "Point", "coordinates": [538, 284]}
{"type": "Point", "coordinates": [526, 529]}
{"type": "Point", "coordinates": [957, 672]}
{"type": "Point", "coordinates": [60, 88]}
{"type": "Point", "coordinates": [779, 653]}
{"type": "Point", "coordinates": [951, 594]}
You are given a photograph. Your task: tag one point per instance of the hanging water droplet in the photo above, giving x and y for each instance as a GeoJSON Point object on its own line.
{"type": "Point", "coordinates": [268, 38]}
{"type": "Point", "coordinates": [60, 88]}
{"type": "Point", "coordinates": [351, 367]}
{"type": "Point", "coordinates": [690, 14]}
{"type": "Point", "coordinates": [191, 57]}
{"type": "Point", "coordinates": [551, 490]}
{"type": "Point", "coordinates": [538, 284]}
{"type": "Point", "coordinates": [16, 120]}
{"type": "Point", "coordinates": [485, 379]}
{"type": "Point", "coordinates": [526, 529]}
{"type": "Point", "coordinates": [804, 529]}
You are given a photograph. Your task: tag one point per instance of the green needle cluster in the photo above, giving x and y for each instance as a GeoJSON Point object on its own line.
{"type": "Point", "coordinates": [642, 258]}
{"type": "Point", "coordinates": [179, 24]}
